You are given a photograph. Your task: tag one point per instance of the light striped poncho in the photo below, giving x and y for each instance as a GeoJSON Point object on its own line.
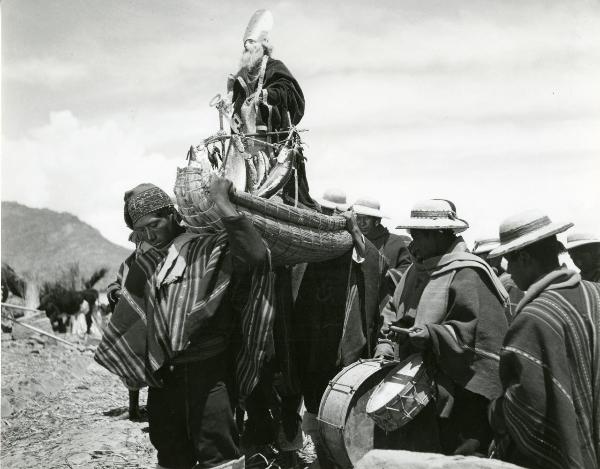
{"type": "Point", "coordinates": [550, 371]}
{"type": "Point", "coordinates": [146, 331]}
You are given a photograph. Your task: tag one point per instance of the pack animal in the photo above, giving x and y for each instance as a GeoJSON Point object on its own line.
{"type": "Point", "coordinates": [12, 283]}
{"type": "Point", "coordinates": [58, 301]}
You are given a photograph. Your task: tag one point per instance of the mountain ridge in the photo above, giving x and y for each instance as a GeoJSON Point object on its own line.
{"type": "Point", "coordinates": [41, 243]}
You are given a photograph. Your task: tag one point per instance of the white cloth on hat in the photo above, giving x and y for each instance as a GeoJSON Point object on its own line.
{"type": "Point", "coordinates": [524, 229]}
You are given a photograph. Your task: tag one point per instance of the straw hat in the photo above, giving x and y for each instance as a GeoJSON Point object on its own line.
{"type": "Point", "coordinates": [575, 240]}
{"type": "Point", "coordinates": [434, 214]}
{"type": "Point", "coordinates": [524, 229]}
{"type": "Point", "coordinates": [483, 246]}
{"type": "Point", "coordinates": [334, 198]}
{"type": "Point", "coordinates": [368, 207]}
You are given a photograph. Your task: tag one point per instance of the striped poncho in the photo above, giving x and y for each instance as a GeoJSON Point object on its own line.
{"type": "Point", "coordinates": [549, 414]}
{"type": "Point", "coordinates": [161, 309]}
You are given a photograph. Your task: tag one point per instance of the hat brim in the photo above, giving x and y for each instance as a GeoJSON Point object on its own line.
{"type": "Point", "coordinates": [530, 238]}
{"type": "Point", "coordinates": [368, 211]}
{"type": "Point", "coordinates": [485, 250]}
{"type": "Point", "coordinates": [332, 205]}
{"type": "Point", "coordinates": [458, 226]}
{"type": "Point", "coordinates": [581, 242]}
{"type": "Point", "coordinates": [327, 203]}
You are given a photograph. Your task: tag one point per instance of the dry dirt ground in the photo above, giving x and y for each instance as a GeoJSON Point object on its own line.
{"type": "Point", "coordinates": [62, 410]}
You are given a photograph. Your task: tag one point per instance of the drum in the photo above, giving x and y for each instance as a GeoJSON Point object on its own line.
{"type": "Point", "coordinates": [406, 390]}
{"type": "Point", "coordinates": [344, 427]}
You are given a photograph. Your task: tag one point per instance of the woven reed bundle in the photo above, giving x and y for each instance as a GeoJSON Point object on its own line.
{"type": "Point", "coordinates": [294, 235]}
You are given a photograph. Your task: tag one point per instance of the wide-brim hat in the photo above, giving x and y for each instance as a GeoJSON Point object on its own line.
{"type": "Point", "coordinates": [334, 199]}
{"type": "Point", "coordinates": [368, 207]}
{"type": "Point", "coordinates": [526, 228]}
{"type": "Point", "coordinates": [483, 246]}
{"type": "Point", "coordinates": [434, 214]}
{"type": "Point", "coordinates": [575, 240]}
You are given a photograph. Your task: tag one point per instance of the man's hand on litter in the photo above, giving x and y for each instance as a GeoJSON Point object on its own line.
{"type": "Point", "coordinates": [357, 236]}
{"type": "Point", "coordinates": [219, 191]}
{"type": "Point", "coordinates": [351, 223]}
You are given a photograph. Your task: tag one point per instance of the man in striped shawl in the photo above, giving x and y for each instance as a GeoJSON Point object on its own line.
{"type": "Point", "coordinates": [192, 322]}
{"type": "Point", "coordinates": [549, 414]}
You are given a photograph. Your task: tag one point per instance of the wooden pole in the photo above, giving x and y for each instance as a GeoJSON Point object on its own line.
{"type": "Point", "coordinates": [40, 331]}
{"type": "Point", "coordinates": [22, 307]}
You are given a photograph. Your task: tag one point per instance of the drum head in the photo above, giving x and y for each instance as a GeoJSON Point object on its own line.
{"type": "Point", "coordinates": [394, 383]}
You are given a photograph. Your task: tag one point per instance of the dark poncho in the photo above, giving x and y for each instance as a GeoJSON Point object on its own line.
{"type": "Point", "coordinates": [336, 311]}
{"type": "Point", "coordinates": [393, 247]}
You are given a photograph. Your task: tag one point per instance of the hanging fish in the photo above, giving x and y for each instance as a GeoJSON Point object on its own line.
{"type": "Point", "coordinates": [234, 165]}
{"type": "Point", "coordinates": [261, 171]}
{"type": "Point", "coordinates": [212, 156]}
{"type": "Point", "coordinates": [267, 161]}
{"type": "Point", "coordinates": [251, 174]}
{"type": "Point", "coordinates": [280, 174]}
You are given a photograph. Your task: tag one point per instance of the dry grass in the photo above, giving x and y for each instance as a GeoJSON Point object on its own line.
{"type": "Point", "coordinates": [62, 410]}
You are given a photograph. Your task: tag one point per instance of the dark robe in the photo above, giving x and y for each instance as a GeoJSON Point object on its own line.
{"type": "Point", "coordinates": [284, 97]}
{"type": "Point", "coordinates": [549, 414]}
{"type": "Point", "coordinates": [395, 250]}
{"type": "Point", "coordinates": [393, 247]}
{"type": "Point", "coordinates": [335, 318]}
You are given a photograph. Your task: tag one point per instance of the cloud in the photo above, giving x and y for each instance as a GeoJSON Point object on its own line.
{"type": "Point", "coordinates": [492, 104]}
{"type": "Point", "coordinates": [83, 169]}
{"type": "Point", "coordinates": [47, 71]}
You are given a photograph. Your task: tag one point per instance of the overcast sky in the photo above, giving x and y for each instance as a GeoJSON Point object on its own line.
{"type": "Point", "coordinates": [494, 105]}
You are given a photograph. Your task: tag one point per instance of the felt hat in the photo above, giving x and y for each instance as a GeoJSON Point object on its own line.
{"type": "Point", "coordinates": [483, 246]}
{"type": "Point", "coordinates": [434, 214]}
{"type": "Point", "coordinates": [332, 199]}
{"type": "Point", "coordinates": [526, 228]}
{"type": "Point", "coordinates": [259, 26]}
{"type": "Point", "coordinates": [368, 207]}
{"type": "Point", "coordinates": [575, 240]}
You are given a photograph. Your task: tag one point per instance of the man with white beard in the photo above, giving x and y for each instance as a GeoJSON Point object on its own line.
{"type": "Point", "coordinates": [267, 98]}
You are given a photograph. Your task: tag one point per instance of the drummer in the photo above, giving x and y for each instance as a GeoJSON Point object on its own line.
{"type": "Point", "coordinates": [450, 306]}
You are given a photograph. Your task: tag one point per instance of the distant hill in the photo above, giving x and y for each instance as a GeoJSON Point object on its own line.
{"type": "Point", "coordinates": [40, 243]}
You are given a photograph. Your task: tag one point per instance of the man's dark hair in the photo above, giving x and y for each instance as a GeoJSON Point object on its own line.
{"type": "Point", "coordinates": [546, 252]}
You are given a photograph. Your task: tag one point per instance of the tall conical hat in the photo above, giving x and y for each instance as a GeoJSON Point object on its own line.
{"type": "Point", "coordinates": [259, 26]}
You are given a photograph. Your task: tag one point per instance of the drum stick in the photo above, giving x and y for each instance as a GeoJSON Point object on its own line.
{"type": "Point", "coordinates": [402, 330]}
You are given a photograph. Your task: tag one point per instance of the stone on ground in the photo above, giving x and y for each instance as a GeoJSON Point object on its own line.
{"type": "Point", "coordinates": [389, 459]}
